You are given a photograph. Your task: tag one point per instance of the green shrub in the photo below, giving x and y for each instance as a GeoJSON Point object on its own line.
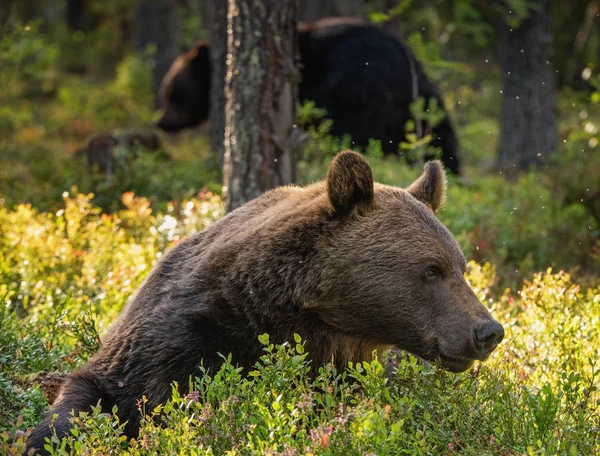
{"type": "Point", "coordinates": [321, 146]}
{"type": "Point", "coordinates": [576, 165]}
{"type": "Point", "coordinates": [28, 61]}
{"type": "Point", "coordinates": [67, 267]}
{"type": "Point", "coordinates": [537, 395]}
{"type": "Point", "coordinates": [121, 102]}
{"type": "Point", "coordinates": [65, 276]}
{"type": "Point", "coordinates": [521, 228]}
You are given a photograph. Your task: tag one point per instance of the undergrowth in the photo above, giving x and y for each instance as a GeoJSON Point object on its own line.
{"type": "Point", "coordinates": [65, 277]}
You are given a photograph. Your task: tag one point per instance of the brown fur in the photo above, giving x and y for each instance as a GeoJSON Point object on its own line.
{"type": "Point", "coordinates": [349, 265]}
{"type": "Point", "coordinates": [181, 62]}
{"type": "Point", "coordinates": [185, 90]}
{"type": "Point", "coordinates": [430, 187]}
{"type": "Point", "coordinates": [350, 184]}
{"type": "Point", "coordinates": [328, 22]}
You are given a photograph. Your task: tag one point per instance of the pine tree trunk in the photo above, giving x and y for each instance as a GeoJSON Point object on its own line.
{"type": "Point", "coordinates": [214, 19]}
{"type": "Point", "coordinates": [157, 22]}
{"type": "Point", "coordinates": [528, 127]}
{"type": "Point", "coordinates": [6, 10]}
{"type": "Point", "coordinates": [75, 11]}
{"type": "Point", "coordinates": [218, 57]}
{"type": "Point", "coordinates": [260, 98]}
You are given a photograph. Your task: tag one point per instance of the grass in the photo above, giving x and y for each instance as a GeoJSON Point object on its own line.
{"type": "Point", "coordinates": [65, 276]}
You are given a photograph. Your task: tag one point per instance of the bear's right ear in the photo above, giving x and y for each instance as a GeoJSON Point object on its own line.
{"type": "Point", "coordinates": [350, 183]}
{"type": "Point", "coordinates": [430, 187]}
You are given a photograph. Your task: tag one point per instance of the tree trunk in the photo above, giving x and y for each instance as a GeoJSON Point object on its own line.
{"type": "Point", "coordinates": [214, 17]}
{"type": "Point", "coordinates": [312, 10]}
{"type": "Point", "coordinates": [528, 126]}
{"type": "Point", "coordinates": [157, 22]}
{"type": "Point", "coordinates": [218, 57]}
{"type": "Point", "coordinates": [75, 10]}
{"type": "Point", "coordinates": [6, 9]}
{"type": "Point", "coordinates": [260, 98]}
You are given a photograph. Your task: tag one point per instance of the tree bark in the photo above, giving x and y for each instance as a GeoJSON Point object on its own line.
{"type": "Point", "coordinates": [6, 9]}
{"type": "Point", "coordinates": [214, 20]}
{"type": "Point", "coordinates": [74, 14]}
{"type": "Point", "coordinates": [218, 57]}
{"type": "Point", "coordinates": [260, 98]}
{"type": "Point", "coordinates": [528, 126]}
{"type": "Point", "coordinates": [157, 22]}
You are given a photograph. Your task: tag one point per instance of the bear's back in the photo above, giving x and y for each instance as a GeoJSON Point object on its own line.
{"type": "Point", "coordinates": [267, 213]}
{"type": "Point", "coordinates": [364, 77]}
{"type": "Point", "coordinates": [336, 49]}
{"type": "Point", "coordinates": [245, 232]}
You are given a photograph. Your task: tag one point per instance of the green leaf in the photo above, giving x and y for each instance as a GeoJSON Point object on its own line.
{"type": "Point", "coordinates": [378, 18]}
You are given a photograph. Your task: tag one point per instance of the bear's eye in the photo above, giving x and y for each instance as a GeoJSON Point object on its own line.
{"type": "Point", "coordinates": [431, 272]}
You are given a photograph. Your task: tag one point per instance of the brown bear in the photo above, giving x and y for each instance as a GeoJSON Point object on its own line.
{"type": "Point", "coordinates": [101, 149]}
{"type": "Point", "coordinates": [364, 77]}
{"type": "Point", "coordinates": [350, 265]}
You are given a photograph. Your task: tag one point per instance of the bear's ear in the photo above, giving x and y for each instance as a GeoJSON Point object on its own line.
{"type": "Point", "coordinates": [199, 57]}
{"type": "Point", "coordinates": [430, 187]}
{"type": "Point", "coordinates": [350, 183]}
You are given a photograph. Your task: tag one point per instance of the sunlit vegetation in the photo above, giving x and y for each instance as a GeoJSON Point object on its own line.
{"type": "Point", "coordinates": [75, 245]}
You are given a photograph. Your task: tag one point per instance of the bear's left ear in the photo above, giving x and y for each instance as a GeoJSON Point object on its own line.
{"type": "Point", "coordinates": [350, 183]}
{"type": "Point", "coordinates": [430, 187]}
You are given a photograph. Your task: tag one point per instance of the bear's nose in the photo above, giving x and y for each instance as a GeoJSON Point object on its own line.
{"type": "Point", "coordinates": [489, 335]}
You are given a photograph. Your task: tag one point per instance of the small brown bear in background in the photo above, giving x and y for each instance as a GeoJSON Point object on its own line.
{"type": "Point", "coordinates": [100, 150]}
{"type": "Point", "coordinates": [350, 265]}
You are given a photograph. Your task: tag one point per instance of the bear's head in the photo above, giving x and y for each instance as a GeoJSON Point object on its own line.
{"type": "Point", "coordinates": [393, 272]}
{"type": "Point", "coordinates": [185, 90]}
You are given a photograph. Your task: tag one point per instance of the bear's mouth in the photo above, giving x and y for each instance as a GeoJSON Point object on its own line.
{"type": "Point", "coordinates": [454, 363]}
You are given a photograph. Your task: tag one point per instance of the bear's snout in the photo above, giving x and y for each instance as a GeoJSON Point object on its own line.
{"type": "Point", "coordinates": [168, 122]}
{"type": "Point", "coordinates": [487, 337]}
{"type": "Point", "coordinates": [465, 340]}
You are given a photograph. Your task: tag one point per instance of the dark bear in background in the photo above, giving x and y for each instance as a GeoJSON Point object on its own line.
{"type": "Point", "coordinates": [364, 77]}
{"type": "Point", "coordinates": [350, 265]}
{"type": "Point", "coordinates": [185, 90]}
